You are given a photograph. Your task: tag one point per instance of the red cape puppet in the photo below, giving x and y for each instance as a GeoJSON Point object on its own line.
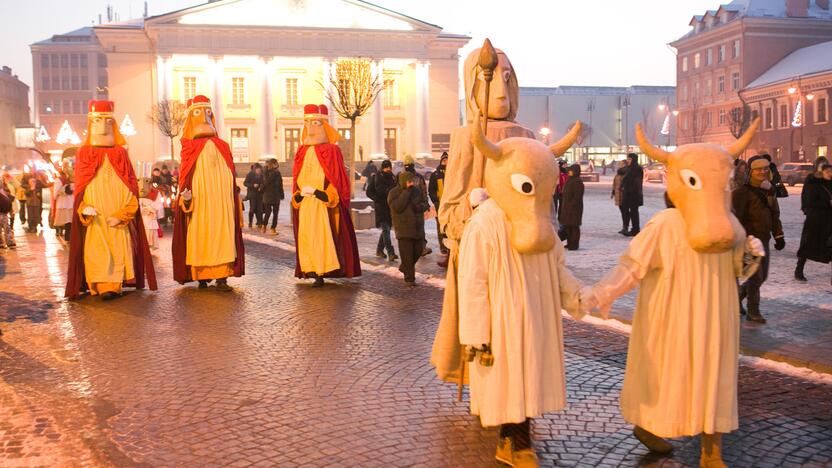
{"type": "Point", "coordinates": [191, 150]}
{"type": "Point", "coordinates": [332, 162]}
{"type": "Point", "coordinates": [87, 162]}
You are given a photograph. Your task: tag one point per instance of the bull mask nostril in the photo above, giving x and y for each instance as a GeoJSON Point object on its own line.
{"type": "Point", "coordinates": [527, 188]}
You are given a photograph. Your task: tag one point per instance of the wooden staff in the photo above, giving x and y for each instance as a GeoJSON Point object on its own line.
{"type": "Point", "coordinates": [488, 63]}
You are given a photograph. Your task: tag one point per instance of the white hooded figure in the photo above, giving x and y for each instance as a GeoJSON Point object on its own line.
{"type": "Point", "coordinates": [513, 284]}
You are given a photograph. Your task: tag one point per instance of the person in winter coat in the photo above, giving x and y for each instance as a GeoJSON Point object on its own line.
{"type": "Point", "coordinates": [64, 202]}
{"type": "Point", "coordinates": [272, 194]}
{"type": "Point", "coordinates": [563, 176]}
{"type": "Point", "coordinates": [407, 207]}
{"type": "Point", "coordinates": [436, 185]}
{"type": "Point", "coordinates": [632, 195]}
{"type": "Point", "coordinates": [254, 195]}
{"type": "Point", "coordinates": [816, 238]}
{"type": "Point", "coordinates": [755, 206]}
{"type": "Point", "coordinates": [410, 166]}
{"type": "Point", "coordinates": [33, 187]}
{"type": "Point", "coordinates": [572, 207]}
{"type": "Point", "coordinates": [621, 169]}
{"type": "Point", "coordinates": [5, 211]}
{"type": "Point", "coordinates": [378, 187]}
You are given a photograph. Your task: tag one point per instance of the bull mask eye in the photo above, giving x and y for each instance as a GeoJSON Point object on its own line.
{"type": "Point", "coordinates": [522, 183]}
{"type": "Point", "coordinates": [691, 179]}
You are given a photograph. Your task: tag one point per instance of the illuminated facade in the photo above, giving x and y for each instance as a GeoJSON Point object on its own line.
{"type": "Point", "coordinates": [260, 61]}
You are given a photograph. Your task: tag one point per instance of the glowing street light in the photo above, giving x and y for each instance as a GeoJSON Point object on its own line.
{"type": "Point", "coordinates": [545, 132]}
{"type": "Point", "coordinates": [662, 107]}
{"type": "Point", "coordinates": [792, 90]}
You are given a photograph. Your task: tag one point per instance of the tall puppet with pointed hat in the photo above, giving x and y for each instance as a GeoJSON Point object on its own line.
{"type": "Point", "coordinates": [207, 235]}
{"type": "Point", "coordinates": [108, 248]}
{"type": "Point", "coordinates": [324, 234]}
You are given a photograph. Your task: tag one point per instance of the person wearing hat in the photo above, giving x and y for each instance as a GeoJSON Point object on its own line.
{"type": "Point", "coordinates": [436, 186]}
{"type": "Point", "coordinates": [572, 207]}
{"type": "Point", "coordinates": [816, 204]}
{"type": "Point", "coordinates": [207, 227]}
{"type": "Point", "coordinates": [324, 234]}
{"type": "Point", "coordinates": [755, 206]}
{"type": "Point", "coordinates": [410, 166]}
{"type": "Point", "coordinates": [107, 247]}
{"type": "Point", "coordinates": [407, 207]}
{"type": "Point", "coordinates": [378, 186]}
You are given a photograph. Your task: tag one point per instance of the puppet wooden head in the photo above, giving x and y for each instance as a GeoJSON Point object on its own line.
{"type": "Point", "coordinates": [504, 97]}
{"type": "Point", "coordinates": [102, 129]}
{"type": "Point", "coordinates": [200, 122]}
{"type": "Point", "coordinates": [698, 184]}
{"type": "Point", "coordinates": [521, 175]}
{"type": "Point", "coordinates": [316, 128]}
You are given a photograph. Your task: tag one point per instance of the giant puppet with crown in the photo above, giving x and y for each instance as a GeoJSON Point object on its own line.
{"type": "Point", "coordinates": [207, 235]}
{"type": "Point", "coordinates": [324, 234]}
{"type": "Point", "coordinates": [108, 248]}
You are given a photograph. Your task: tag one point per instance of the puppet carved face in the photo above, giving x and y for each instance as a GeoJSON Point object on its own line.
{"type": "Point", "coordinates": [521, 176]}
{"type": "Point", "coordinates": [314, 132]}
{"type": "Point", "coordinates": [145, 186]}
{"type": "Point", "coordinates": [200, 123]}
{"type": "Point", "coordinates": [698, 184]}
{"type": "Point", "coordinates": [503, 99]}
{"type": "Point", "coordinates": [101, 131]}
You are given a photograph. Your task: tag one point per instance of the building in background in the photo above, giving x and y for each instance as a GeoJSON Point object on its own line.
{"type": "Point", "coordinates": [68, 70]}
{"type": "Point", "coordinates": [14, 114]}
{"type": "Point", "coordinates": [792, 98]}
{"type": "Point", "coordinates": [729, 48]}
{"type": "Point", "coordinates": [608, 114]}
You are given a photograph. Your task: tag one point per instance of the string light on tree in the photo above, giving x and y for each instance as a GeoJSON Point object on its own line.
{"type": "Point", "coordinates": [74, 139]}
{"type": "Point", "coordinates": [666, 125]}
{"type": "Point", "coordinates": [127, 128]}
{"type": "Point", "coordinates": [65, 134]}
{"type": "Point", "coordinates": [43, 135]}
{"type": "Point", "coordinates": [797, 121]}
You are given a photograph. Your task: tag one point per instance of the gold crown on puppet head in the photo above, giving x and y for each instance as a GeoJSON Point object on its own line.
{"type": "Point", "coordinates": [101, 108]}
{"type": "Point", "coordinates": [198, 101]}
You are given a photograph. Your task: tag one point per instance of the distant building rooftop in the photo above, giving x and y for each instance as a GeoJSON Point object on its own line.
{"type": "Point", "coordinates": [597, 90]}
{"type": "Point", "coordinates": [808, 61]}
{"type": "Point", "coordinates": [84, 34]}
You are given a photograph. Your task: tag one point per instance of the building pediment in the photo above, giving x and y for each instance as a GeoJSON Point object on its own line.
{"type": "Point", "coordinates": [292, 14]}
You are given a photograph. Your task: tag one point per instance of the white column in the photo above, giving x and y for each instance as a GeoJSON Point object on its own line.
{"type": "Point", "coordinates": [217, 84]}
{"type": "Point", "coordinates": [423, 148]}
{"type": "Point", "coordinates": [161, 86]}
{"type": "Point", "coordinates": [266, 113]}
{"type": "Point", "coordinates": [377, 117]}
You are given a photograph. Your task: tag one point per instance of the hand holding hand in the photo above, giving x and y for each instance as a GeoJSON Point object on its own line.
{"type": "Point", "coordinates": [755, 247]}
{"type": "Point", "coordinates": [89, 211]}
{"type": "Point", "coordinates": [187, 195]}
{"type": "Point", "coordinates": [477, 196]}
{"type": "Point", "coordinates": [113, 222]}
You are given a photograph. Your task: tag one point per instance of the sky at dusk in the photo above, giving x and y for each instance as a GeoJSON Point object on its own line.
{"type": "Point", "coordinates": [550, 42]}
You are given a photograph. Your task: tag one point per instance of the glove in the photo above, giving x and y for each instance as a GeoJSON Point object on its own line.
{"type": "Point", "coordinates": [755, 247]}
{"type": "Point", "coordinates": [307, 191]}
{"type": "Point", "coordinates": [321, 195]}
{"type": "Point", "coordinates": [477, 196]}
{"type": "Point", "coordinates": [89, 211]}
{"type": "Point", "coordinates": [779, 243]}
{"type": "Point", "coordinates": [187, 195]}
{"type": "Point", "coordinates": [298, 198]}
{"type": "Point", "coordinates": [113, 222]}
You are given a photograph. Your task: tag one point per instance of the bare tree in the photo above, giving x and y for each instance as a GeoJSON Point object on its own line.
{"type": "Point", "coordinates": [169, 117]}
{"type": "Point", "coordinates": [352, 90]}
{"type": "Point", "coordinates": [739, 119]}
{"type": "Point", "coordinates": [697, 123]}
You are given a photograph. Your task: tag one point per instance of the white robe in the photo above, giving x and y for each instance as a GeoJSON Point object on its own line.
{"type": "Point", "coordinates": [514, 302]}
{"type": "Point", "coordinates": [681, 376]}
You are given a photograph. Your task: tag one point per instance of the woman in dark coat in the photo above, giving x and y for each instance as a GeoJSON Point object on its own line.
{"type": "Point", "coordinates": [408, 208]}
{"type": "Point", "coordinates": [632, 195]}
{"type": "Point", "coordinates": [816, 239]}
{"type": "Point", "coordinates": [378, 187]}
{"type": "Point", "coordinates": [254, 195]}
{"type": "Point", "coordinates": [572, 207]}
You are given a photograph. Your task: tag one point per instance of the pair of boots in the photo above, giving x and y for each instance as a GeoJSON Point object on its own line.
{"type": "Point", "coordinates": [514, 446]}
{"type": "Point", "coordinates": [710, 456]}
{"type": "Point", "coordinates": [222, 284]}
{"type": "Point", "coordinates": [798, 270]}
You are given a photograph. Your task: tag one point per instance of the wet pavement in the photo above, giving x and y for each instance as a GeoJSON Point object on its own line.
{"type": "Point", "coordinates": [280, 374]}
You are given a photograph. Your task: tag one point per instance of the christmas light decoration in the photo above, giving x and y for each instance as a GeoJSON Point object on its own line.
{"type": "Point", "coordinates": [797, 121]}
{"type": "Point", "coordinates": [65, 133]}
{"type": "Point", "coordinates": [43, 135]}
{"type": "Point", "coordinates": [127, 128]}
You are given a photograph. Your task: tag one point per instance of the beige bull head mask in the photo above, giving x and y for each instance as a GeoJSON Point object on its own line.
{"type": "Point", "coordinates": [698, 177]}
{"type": "Point", "coordinates": [520, 176]}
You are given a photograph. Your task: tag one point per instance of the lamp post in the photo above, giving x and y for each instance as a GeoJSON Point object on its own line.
{"type": "Point", "coordinates": [665, 107]}
{"type": "Point", "coordinates": [798, 118]}
{"type": "Point", "coordinates": [545, 132]}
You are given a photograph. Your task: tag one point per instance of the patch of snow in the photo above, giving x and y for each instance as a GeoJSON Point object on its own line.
{"type": "Point", "coordinates": [788, 369]}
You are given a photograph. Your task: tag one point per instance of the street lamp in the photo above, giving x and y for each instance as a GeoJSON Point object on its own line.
{"type": "Point", "coordinates": [665, 107]}
{"type": "Point", "coordinates": [545, 132]}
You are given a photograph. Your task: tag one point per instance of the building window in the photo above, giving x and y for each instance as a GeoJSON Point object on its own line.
{"type": "Point", "coordinates": [238, 90]}
{"type": "Point", "coordinates": [784, 115]}
{"type": "Point", "coordinates": [823, 150]}
{"type": "Point", "coordinates": [54, 60]}
{"type": "Point", "coordinates": [708, 120]}
{"type": "Point", "coordinates": [291, 137]}
{"type": "Point", "coordinates": [735, 81]}
{"type": "Point", "coordinates": [391, 93]}
{"type": "Point", "coordinates": [720, 55]}
{"type": "Point", "coordinates": [390, 142]}
{"type": "Point", "coordinates": [709, 57]}
{"type": "Point", "coordinates": [696, 59]}
{"type": "Point", "coordinates": [85, 82]}
{"type": "Point", "coordinates": [708, 86]}
{"type": "Point", "coordinates": [73, 60]}
{"type": "Point", "coordinates": [75, 83]}
{"type": "Point", "coordinates": [820, 110]}
{"type": "Point", "coordinates": [83, 60]}
{"type": "Point", "coordinates": [695, 90]}
{"type": "Point", "coordinates": [44, 61]}
{"type": "Point", "coordinates": [736, 51]}
{"type": "Point", "coordinates": [769, 118]}
{"type": "Point", "coordinates": [239, 144]}
{"type": "Point", "coordinates": [684, 92]}
{"type": "Point", "coordinates": [720, 84]}
{"type": "Point", "coordinates": [45, 83]}
{"type": "Point", "coordinates": [722, 119]}
{"type": "Point", "coordinates": [684, 64]}
{"type": "Point", "coordinates": [64, 61]}
{"type": "Point", "coordinates": [291, 91]}
{"type": "Point", "coordinates": [188, 87]}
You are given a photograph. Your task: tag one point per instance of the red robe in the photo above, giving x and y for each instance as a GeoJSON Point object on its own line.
{"type": "Point", "coordinates": [87, 162]}
{"type": "Point", "coordinates": [191, 149]}
{"type": "Point", "coordinates": [332, 162]}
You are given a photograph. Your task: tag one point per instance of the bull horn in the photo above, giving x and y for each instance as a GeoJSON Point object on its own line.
{"type": "Point", "coordinates": [567, 141]}
{"type": "Point", "coordinates": [653, 152]}
{"type": "Point", "coordinates": [480, 141]}
{"type": "Point", "coordinates": [739, 146]}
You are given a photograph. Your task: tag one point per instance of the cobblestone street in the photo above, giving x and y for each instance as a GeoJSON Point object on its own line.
{"type": "Point", "coordinates": [280, 374]}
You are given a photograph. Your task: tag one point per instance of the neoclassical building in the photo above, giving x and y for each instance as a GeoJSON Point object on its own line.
{"type": "Point", "coordinates": [260, 61]}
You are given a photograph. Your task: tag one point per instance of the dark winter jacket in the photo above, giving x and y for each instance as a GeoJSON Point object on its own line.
{"type": "Point", "coordinates": [254, 186]}
{"type": "Point", "coordinates": [817, 228]}
{"type": "Point", "coordinates": [436, 185]}
{"type": "Point", "coordinates": [5, 202]}
{"type": "Point", "coordinates": [272, 186]}
{"type": "Point", "coordinates": [407, 209]}
{"type": "Point", "coordinates": [378, 187]}
{"type": "Point", "coordinates": [631, 190]}
{"type": "Point", "coordinates": [572, 199]}
{"type": "Point", "coordinates": [420, 182]}
{"type": "Point", "coordinates": [758, 212]}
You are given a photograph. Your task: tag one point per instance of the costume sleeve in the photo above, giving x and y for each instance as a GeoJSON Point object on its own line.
{"type": "Point", "coordinates": [295, 202]}
{"type": "Point", "coordinates": [186, 208]}
{"type": "Point", "coordinates": [569, 285]}
{"type": "Point", "coordinates": [85, 220]}
{"type": "Point", "coordinates": [472, 284]}
{"type": "Point", "coordinates": [128, 212]}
